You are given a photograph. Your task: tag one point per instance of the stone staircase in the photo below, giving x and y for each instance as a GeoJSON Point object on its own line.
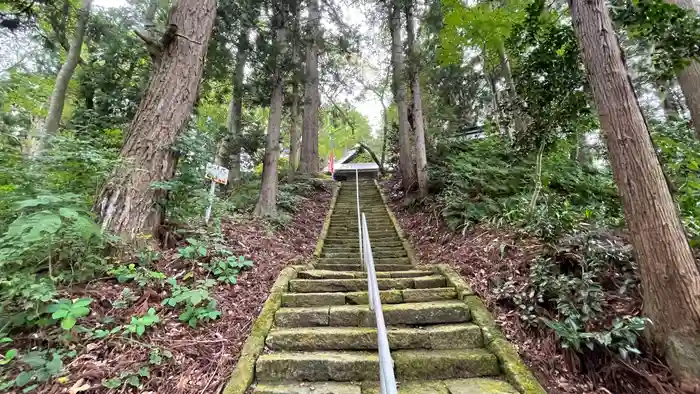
{"type": "Point", "coordinates": [324, 340]}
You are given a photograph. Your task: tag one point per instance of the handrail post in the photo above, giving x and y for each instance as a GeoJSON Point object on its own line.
{"type": "Point", "coordinates": [387, 380]}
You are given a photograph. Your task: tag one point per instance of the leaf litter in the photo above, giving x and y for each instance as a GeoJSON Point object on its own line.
{"type": "Point", "coordinates": [172, 357]}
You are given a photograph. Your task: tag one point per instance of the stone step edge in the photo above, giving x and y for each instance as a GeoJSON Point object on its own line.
{"type": "Point", "coordinates": [356, 274]}
{"type": "Point", "coordinates": [409, 314]}
{"type": "Point", "coordinates": [438, 337]}
{"type": "Point", "coordinates": [345, 285]}
{"type": "Point", "coordinates": [300, 300]}
{"type": "Point", "coordinates": [361, 366]}
{"type": "Point", "coordinates": [451, 386]}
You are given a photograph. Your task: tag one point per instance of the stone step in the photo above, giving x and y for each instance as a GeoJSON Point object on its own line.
{"type": "Point", "coordinates": [353, 231]}
{"type": "Point", "coordinates": [328, 274]}
{"type": "Point", "coordinates": [361, 297]}
{"type": "Point", "coordinates": [355, 243]}
{"type": "Point", "coordinates": [410, 314]}
{"type": "Point", "coordinates": [342, 248]}
{"type": "Point", "coordinates": [452, 386]}
{"type": "Point", "coordinates": [356, 260]}
{"type": "Point", "coordinates": [344, 285]}
{"type": "Point", "coordinates": [347, 366]}
{"type": "Point", "coordinates": [352, 240]}
{"type": "Point", "coordinates": [376, 253]}
{"type": "Point", "coordinates": [356, 267]}
{"type": "Point", "coordinates": [448, 336]}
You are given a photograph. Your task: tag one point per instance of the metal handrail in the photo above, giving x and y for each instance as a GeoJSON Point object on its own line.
{"type": "Point", "coordinates": [387, 380]}
{"type": "Point", "coordinates": [359, 223]}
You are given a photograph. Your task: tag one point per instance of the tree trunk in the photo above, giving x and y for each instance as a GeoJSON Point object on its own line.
{"type": "Point", "coordinates": [513, 93]}
{"type": "Point", "coordinates": [58, 96]}
{"type": "Point", "coordinates": [669, 276]}
{"type": "Point", "coordinates": [294, 132]}
{"type": "Point", "coordinates": [689, 77]}
{"type": "Point", "coordinates": [267, 202]}
{"type": "Point", "coordinates": [127, 204]}
{"type": "Point", "coordinates": [309, 142]}
{"type": "Point", "coordinates": [229, 152]}
{"type": "Point", "coordinates": [406, 165]}
{"type": "Point", "coordinates": [418, 121]}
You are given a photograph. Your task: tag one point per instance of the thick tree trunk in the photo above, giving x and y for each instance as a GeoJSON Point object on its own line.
{"type": "Point", "coordinates": [58, 96]}
{"type": "Point", "coordinates": [127, 204]}
{"type": "Point", "coordinates": [406, 164]}
{"type": "Point", "coordinates": [297, 77]}
{"type": "Point", "coordinates": [310, 161]}
{"type": "Point", "coordinates": [229, 152]}
{"type": "Point", "coordinates": [294, 132]}
{"type": "Point", "coordinates": [418, 121]}
{"type": "Point", "coordinates": [267, 202]}
{"type": "Point", "coordinates": [689, 77]}
{"type": "Point", "coordinates": [669, 274]}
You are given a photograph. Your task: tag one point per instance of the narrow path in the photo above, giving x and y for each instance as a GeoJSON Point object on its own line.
{"type": "Point", "coordinates": [324, 339]}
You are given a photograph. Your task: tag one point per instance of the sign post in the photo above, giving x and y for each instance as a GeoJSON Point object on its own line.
{"type": "Point", "coordinates": [217, 174]}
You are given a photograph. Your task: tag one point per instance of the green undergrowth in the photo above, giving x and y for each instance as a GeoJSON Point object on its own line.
{"type": "Point", "coordinates": [584, 286]}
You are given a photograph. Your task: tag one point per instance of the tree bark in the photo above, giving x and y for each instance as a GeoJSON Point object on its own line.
{"type": "Point", "coordinates": [418, 121]}
{"type": "Point", "coordinates": [58, 96]}
{"type": "Point", "coordinates": [267, 202]}
{"type": "Point", "coordinates": [310, 162]}
{"type": "Point", "coordinates": [513, 93]}
{"type": "Point", "coordinates": [669, 275]}
{"type": "Point", "coordinates": [689, 77]}
{"type": "Point", "coordinates": [406, 164]}
{"type": "Point", "coordinates": [229, 152]}
{"type": "Point", "coordinates": [128, 205]}
{"type": "Point", "coordinates": [294, 132]}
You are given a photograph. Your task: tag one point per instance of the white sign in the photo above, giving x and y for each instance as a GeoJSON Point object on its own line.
{"type": "Point", "coordinates": [217, 173]}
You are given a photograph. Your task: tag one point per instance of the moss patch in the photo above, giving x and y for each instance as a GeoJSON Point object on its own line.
{"type": "Point", "coordinates": [326, 223]}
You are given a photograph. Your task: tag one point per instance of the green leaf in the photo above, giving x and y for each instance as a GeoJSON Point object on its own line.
{"type": "Point", "coordinates": [133, 380]}
{"type": "Point", "coordinates": [145, 372]}
{"type": "Point", "coordinates": [68, 322]}
{"type": "Point", "coordinates": [23, 378]}
{"type": "Point", "coordinates": [113, 383]}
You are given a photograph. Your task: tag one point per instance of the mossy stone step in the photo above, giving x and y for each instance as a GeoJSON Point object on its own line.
{"type": "Point", "coordinates": [308, 388]}
{"type": "Point", "coordinates": [449, 336]}
{"type": "Point", "coordinates": [349, 366]}
{"type": "Point", "coordinates": [377, 253]}
{"type": "Point", "coordinates": [451, 386]}
{"type": "Point", "coordinates": [356, 260]}
{"type": "Point", "coordinates": [326, 274]}
{"type": "Point", "coordinates": [356, 248]}
{"type": "Point", "coordinates": [356, 267]}
{"type": "Point", "coordinates": [361, 297]}
{"type": "Point", "coordinates": [408, 314]}
{"type": "Point", "coordinates": [334, 285]}
{"type": "Point", "coordinates": [355, 243]}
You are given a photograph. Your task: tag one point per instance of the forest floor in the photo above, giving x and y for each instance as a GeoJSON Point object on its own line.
{"type": "Point", "coordinates": [178, 358]}
{"type": "Point", "coordinates": [486, 257]}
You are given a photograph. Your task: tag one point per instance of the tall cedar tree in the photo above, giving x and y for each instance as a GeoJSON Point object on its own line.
{"type": "Point", "coordinates": [309, 160]}
{"type": "Point", "coordinates": [669, 274]}
{"type": "Point", "coordinates": [417, 103]}
{"type": "Point", "coordinates": [267, 201]}
{"type": "Point", "coordinates": [406, 165]}
{"type": "Point", "coordinates": [128, 205]}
